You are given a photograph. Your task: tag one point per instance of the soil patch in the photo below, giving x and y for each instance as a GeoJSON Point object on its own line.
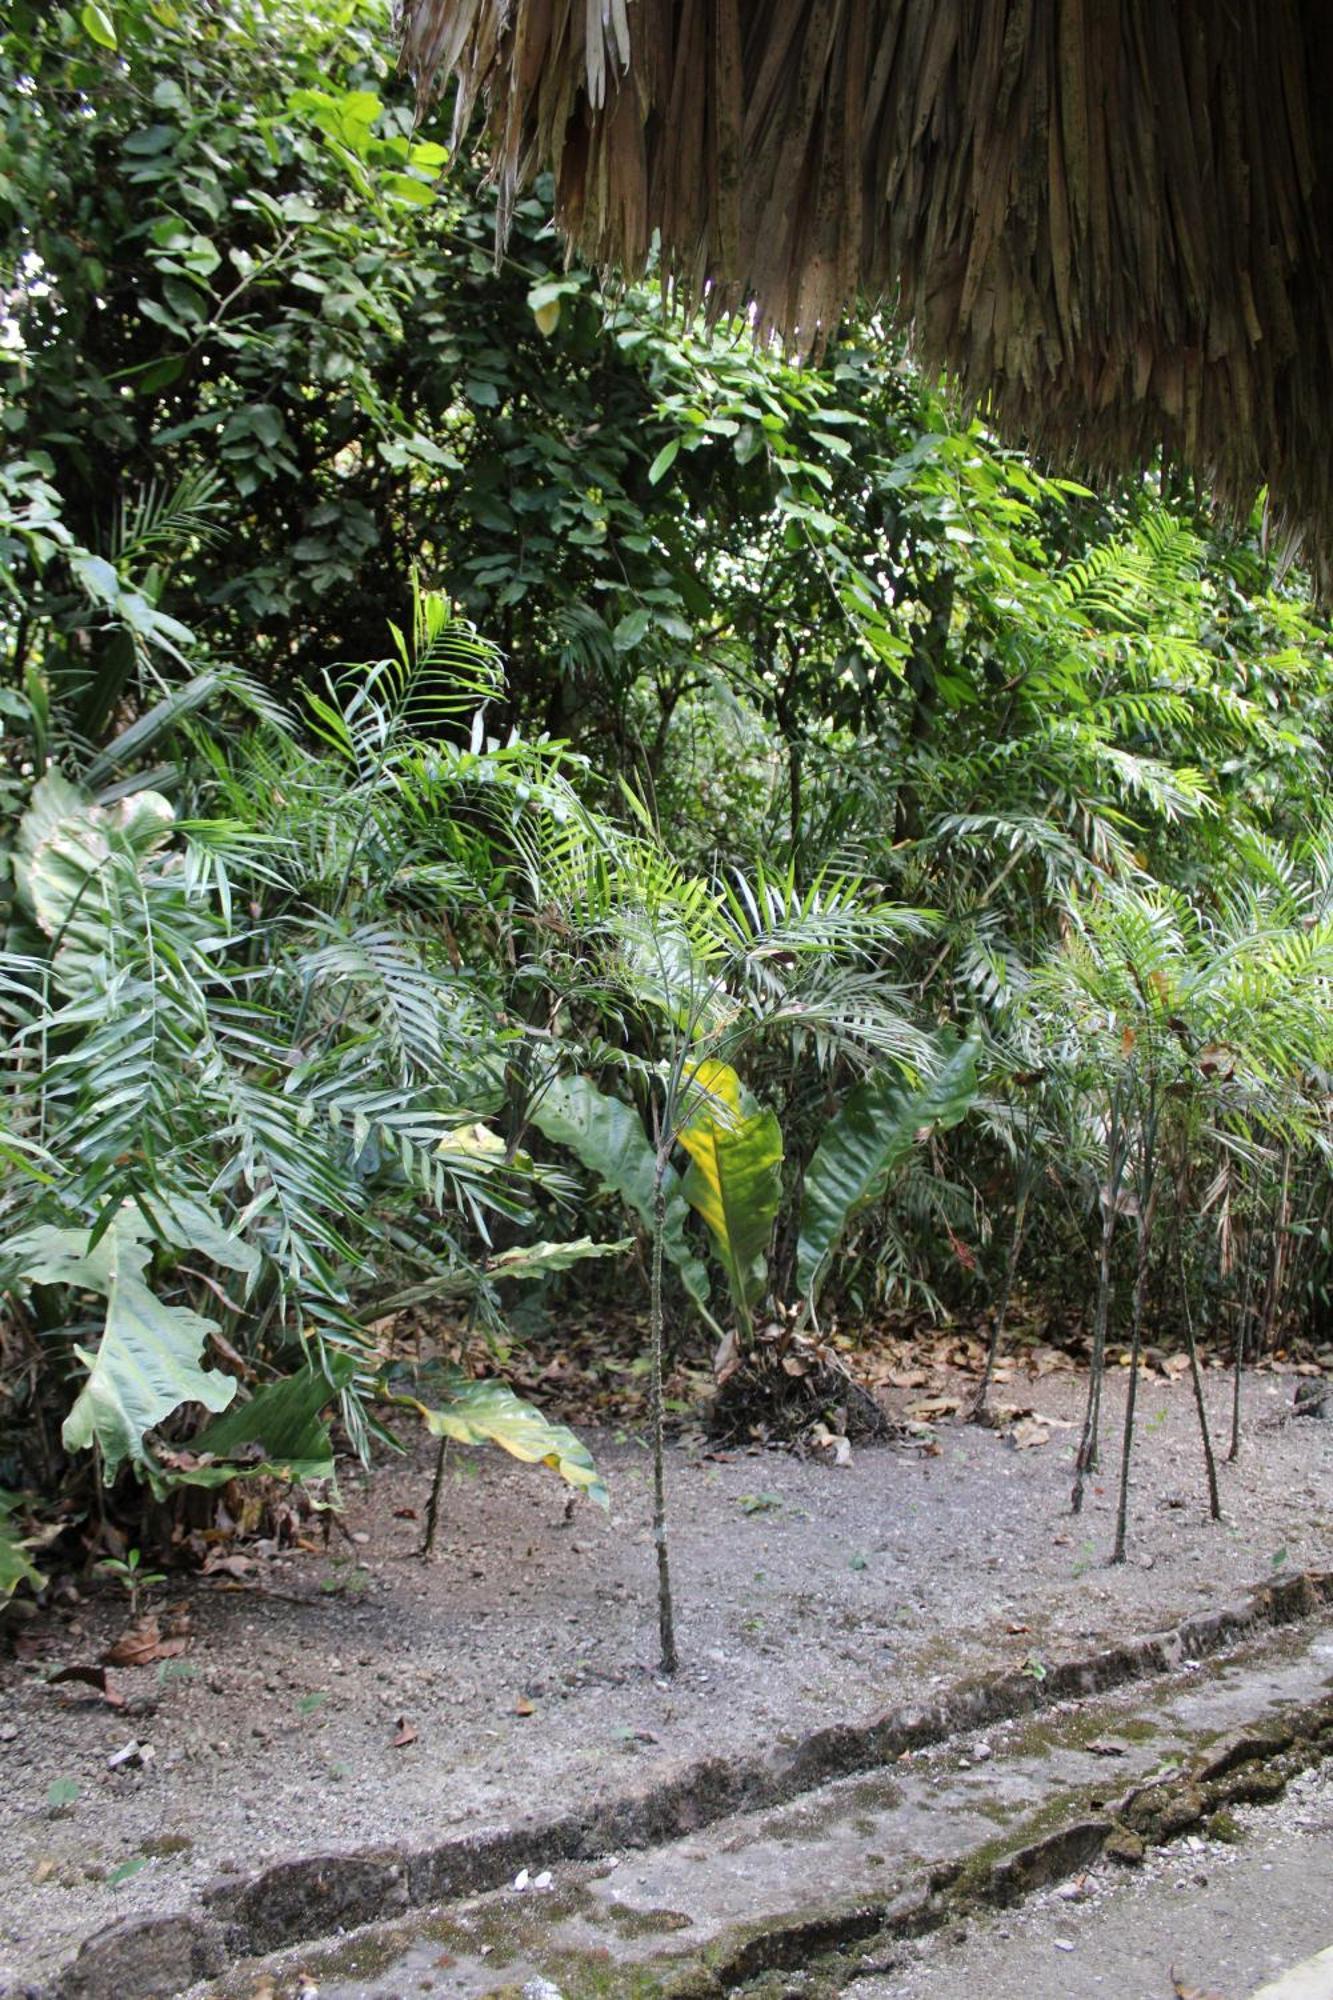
{"type": "Point", "coordinates": [361, 1697]}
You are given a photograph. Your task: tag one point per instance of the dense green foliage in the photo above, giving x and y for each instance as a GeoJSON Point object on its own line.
{"type": "Point", "coordinates": [782, 814]}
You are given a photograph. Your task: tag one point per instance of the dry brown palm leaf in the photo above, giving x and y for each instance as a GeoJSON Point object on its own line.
{"type": "Point", "coordinates": [1109, 219]}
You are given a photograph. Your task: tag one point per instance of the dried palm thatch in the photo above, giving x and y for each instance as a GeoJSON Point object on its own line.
{"type": "Point", "coordinates": [1108, 219]}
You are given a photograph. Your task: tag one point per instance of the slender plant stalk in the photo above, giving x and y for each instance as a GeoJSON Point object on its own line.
{"type": "Point", "coordinates": [666, 1617]}
{"type": "Point", "coordinates": [1316, 1229]}
{"type": "Point", "coordinates": [1086, 1459]}
{"type": "Point", "coordinates": [1277, 1257]}
{"type": "Point", "coordinates": [1001, 1312]}
{"type": "Point", "coordinates": [1242, 1322]}
{"type": "Point", "coordinates": [427, 1549]}
{"type": "Point", "coordinates": [1196, 1376]}
{"type": "Point", "coordinates": [1147, 1207]}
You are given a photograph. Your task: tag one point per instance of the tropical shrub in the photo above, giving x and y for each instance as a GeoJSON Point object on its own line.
{"type": "Point", "coordinates": [249, 1082]}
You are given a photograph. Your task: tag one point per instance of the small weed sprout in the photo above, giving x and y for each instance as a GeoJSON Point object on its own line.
{"type": "Point", "coordinates": [131, 1576]}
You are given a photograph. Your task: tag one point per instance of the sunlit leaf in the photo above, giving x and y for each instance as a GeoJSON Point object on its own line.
{"type": "Point", "coordinates": [490, 1413]}
{"type": "Point", "coordinates": [734, 1180]}
{"type": "Point", "coordinates": [98, 25]}
{"type": "Point", "coordinates": [147, 1363]}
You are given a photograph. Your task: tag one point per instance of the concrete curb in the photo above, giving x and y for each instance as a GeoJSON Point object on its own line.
{"type": "Point", "coordinates": [311, 1897]}
{"type": "Point", "coordinates": [832, 1948]}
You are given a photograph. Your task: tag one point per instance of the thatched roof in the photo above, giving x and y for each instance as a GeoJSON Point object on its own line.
{"type": "Point", "coordinates": [1110, 219]}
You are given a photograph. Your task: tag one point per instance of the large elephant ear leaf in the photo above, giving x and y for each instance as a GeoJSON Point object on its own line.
{"type": "Point", "coordinates": [734, 1179]}
{"type": "Point", "coordinates": [607, 1137]}
{"type": "Point", "coordinates": [64, 843]}
{"type": "Point", "coordinates": [490, 1413]}
{"type": "Point", "coordinates": [147, 1362]}
{"type": "Point", "coordinates": [874, 1132]}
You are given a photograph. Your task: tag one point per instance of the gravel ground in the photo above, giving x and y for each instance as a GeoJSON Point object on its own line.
{"type": "Point", "coordinates": [362, 1695]}
{"type": "Point", "coordinates": [1200, 1918]}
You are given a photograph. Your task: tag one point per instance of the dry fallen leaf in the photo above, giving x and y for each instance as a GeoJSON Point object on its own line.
{"type": "Point", "coordinates": [1047, 1361]}
{"type": "Point", "coordinates": [406, 1734]}
{"type": "Point", "coordinates": [727, 1358]}
{"type": "Point", "coordinates": [93, 1677]}
{"type": "Point", "coordinates": [143, 1643]}
{"type": "Point", "coordinates": [138, 1646]}
{"type": "Point", "coordinates": [217, 1564]}
{"type": "Point", "coordinates": [823, 1439]}
{"type": "Point", "coordinates": [523, 1706]}
{"type": "Point", "coordinates": [930, 1408]}
{"type": "Point", "coordinates": [1183, 1992]}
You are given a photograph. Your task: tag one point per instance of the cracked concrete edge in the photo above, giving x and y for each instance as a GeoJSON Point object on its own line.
{"type": "Point", "coordinates": [834, 1946]}
{"type": "Point", "coordinates": [311, 1897]}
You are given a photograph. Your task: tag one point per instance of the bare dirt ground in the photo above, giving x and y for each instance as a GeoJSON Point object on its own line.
{"type": "Point", "coordinates": [331, 1701]}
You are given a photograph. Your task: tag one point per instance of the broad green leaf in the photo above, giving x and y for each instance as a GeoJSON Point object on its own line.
{"type": "Point", "coordinates": [872, 1135]}
{"type": "Point", "coordinates": [536, 1260]}
{"type": "Point", "coordinates": [734, 1179]}
{"type": "Point", "coordinates": [64, 841]}
{"type": "Point", "coordinates": [191, 1226]}
{"type": "Point", "coordinates": [490, 1413]}
{"type": "Point", "coordinates": [416, 194]}
{"type": "Point", "coordinates": [98, 25]}
{"type": "Point", "coordinates": [664, 461]}
{"type": "Point", "coordinates": [16, 1566]}
{"type": "Point", "coordinates": [631, 629]}
{"type": "Point", "coordinates": [151, 140]}
{"type": "Point", "coordinates": [147, 1361]}
{"type": "Point", "coordinates": [283, 1419]}
{"type": "Point", "coordinates": [608, 1138]}
{"type": "Point", "coordinates": [545, 301]}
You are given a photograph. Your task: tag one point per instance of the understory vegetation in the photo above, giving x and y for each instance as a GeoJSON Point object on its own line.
{"type": "Point", "coordinates": [501, 786]}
